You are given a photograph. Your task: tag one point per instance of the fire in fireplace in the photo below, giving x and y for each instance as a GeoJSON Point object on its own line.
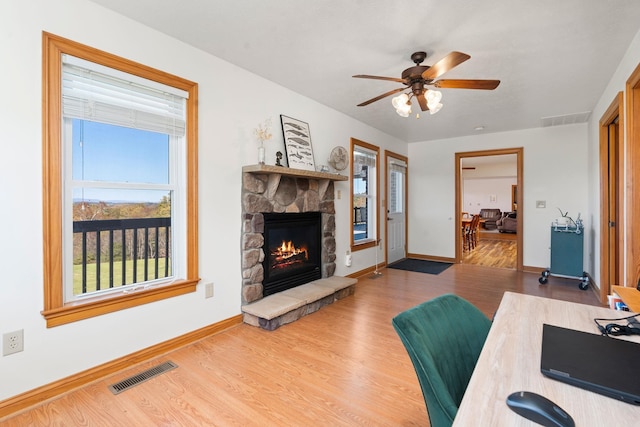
{"type": "Point", "coordinates": [292, 247]}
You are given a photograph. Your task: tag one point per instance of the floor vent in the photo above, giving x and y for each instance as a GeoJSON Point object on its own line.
{"type": "Point", "coordinates": [126, 384]}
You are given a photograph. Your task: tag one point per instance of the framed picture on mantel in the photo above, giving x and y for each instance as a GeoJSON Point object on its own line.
{"type": "Point", "coordinates": [297, 143]}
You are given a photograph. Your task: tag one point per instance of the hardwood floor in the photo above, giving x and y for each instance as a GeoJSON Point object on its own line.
{"type": "Point", "coordinates": [492, 253]}
{"type": "Point", "coordinates": [343, 365]}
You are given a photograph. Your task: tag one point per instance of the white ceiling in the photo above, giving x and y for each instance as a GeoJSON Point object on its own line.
{"type": "Point", "coordinates": [553, 57]}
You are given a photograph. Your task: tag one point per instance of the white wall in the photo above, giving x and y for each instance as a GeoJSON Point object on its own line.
{"type": "Point", "coordinates": [554, 170]}
{"type": "Point", "coordinates": [617, 84]}
{"type": "Point", "coordinates": [488, 185]}
{"type": "Point", "coordinates": [227, 116]}
{"type": "Point", "coordinates": [487, 193]}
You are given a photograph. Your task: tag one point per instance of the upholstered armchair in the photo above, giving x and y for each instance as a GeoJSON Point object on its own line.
{"type": "Point", "coordinates": [490, 216]}
{"type": "Point", "coordinates": [508, 223]}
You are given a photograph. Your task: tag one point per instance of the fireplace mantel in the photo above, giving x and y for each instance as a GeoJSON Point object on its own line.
{"type": "Point", "coordinates": [299, 173]}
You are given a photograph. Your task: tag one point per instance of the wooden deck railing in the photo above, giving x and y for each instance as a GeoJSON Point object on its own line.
{"type": "Point", "coordinates": [137, 239]}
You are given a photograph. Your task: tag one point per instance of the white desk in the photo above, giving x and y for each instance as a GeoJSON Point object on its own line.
{"type": "Point", "coordinates": [510, 361]}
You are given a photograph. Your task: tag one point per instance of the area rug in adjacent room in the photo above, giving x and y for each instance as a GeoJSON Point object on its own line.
{"type": "Point", "coordinates": [421, 266]}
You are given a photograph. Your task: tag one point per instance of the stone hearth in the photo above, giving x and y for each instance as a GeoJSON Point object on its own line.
{"type": "Point", "coordinates": [271, 189]}
{"type": "Point", "coordinates": [290, 305]}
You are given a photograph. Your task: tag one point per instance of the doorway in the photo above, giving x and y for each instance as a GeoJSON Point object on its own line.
{"type": "Point", "coordinates": [396, 206]}
{"type": "Point", "coordinates": [611, 191]}
{"type": "Point", "coordinates": [517, 192]}
{"type": "Point", "coordinates": [632, 153]}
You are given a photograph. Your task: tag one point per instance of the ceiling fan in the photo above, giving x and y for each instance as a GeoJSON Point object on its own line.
{"type": "Point", "coordinates": [416, 79]}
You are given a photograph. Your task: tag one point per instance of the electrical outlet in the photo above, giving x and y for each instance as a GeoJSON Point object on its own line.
{"type": "Point", "coordinates": [12, 342]}
{"type": "Point", "coordinates": [208, 290]}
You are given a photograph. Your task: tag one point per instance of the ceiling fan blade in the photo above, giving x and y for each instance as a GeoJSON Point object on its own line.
{"type": "Point", "coordinates": [393, 79]}
{"type": "Point", "coordinates": [384, 95]}
{"type": "Point", "coordinates": [466, 84]}
{"type": "Point", "coordinates": [423, 102]}
{"type": "Point", "coordinates": [445, 64]}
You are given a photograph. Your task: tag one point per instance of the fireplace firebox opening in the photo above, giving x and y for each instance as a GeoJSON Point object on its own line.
{"type": "Point", "coordinates": [293, 250]}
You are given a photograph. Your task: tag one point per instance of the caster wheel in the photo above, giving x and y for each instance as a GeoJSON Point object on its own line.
{"type": "Point", "coordinates": [584, 286]}
{"type": "Point", "coordinates": [542, 280]}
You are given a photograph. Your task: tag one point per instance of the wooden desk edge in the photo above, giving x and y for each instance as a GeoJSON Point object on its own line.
{"type": "Point", "coordinates": [516, 337]}
{"type": "Point", "coordinates": [630, 296]}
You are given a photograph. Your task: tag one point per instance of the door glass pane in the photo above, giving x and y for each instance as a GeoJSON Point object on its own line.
{"type": "Point", "coordinates": [396, 192]}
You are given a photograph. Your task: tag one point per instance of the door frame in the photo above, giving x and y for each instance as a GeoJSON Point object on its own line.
{"type": "Point", "coordinates": [390, 154]}
{"type": "Point", "coordinates": [632, 194]}
{"type": "Point", "coordinates": [519, 152]}
{"type": "Point", "coordinates": [614, 112]}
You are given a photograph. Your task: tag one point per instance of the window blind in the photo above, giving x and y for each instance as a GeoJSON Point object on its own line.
{"type": "Point", "coordinates": [397, 167]}
{"type": "Point", "coordinates": [364, 157]}
{"type": "Point", "coordinates": [97, 93]}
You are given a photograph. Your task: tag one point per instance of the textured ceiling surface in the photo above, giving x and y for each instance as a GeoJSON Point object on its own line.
{"type": "Point", "coordinates": [553, 58]}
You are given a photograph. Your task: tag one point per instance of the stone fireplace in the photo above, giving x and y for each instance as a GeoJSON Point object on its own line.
{"type": "Point", "coordinates": [284, 194]}
{"type": "Point", "coordinates": [272, 192]}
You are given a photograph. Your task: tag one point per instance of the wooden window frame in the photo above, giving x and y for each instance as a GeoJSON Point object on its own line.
{"type": "Point", "coordinates": [369, 243]}
{"type": "Point", "coordinates": [56, 311]}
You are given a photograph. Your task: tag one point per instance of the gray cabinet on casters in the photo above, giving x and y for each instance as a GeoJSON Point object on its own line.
{"type": "Point", "coordinates": [567, 244]}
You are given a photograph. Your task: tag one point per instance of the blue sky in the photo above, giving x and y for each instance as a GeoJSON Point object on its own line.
{"type": "Point", "coordinates": [119, 154]}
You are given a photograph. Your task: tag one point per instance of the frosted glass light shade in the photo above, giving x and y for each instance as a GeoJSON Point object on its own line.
{"type": "Point", "coordinates": [404, 109]}
{"type": "Point", "coordinates": [434, 109]}
{"type": "Point", "coordinates": [399, 100]}
{"type": "Point", "coordinates": [403, 112]}
{"type": "Point", "coordinates": [433, 97]}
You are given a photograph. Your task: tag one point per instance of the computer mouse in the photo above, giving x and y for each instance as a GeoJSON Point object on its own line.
{"type": "Point", "coordinates": [539, 409]}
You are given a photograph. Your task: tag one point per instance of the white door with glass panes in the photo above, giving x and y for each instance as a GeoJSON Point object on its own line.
{"type": "Point", "coordinates": [396, 209]}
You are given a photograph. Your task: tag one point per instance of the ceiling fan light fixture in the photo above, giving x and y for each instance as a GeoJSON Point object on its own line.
{"type": "Point", "coordinates": [402, 104]}
{"type": "Point", "coordinates": [399, 101]}
{"type": "Point", "coordinates": [434, 109]}
{"type": "Point", "coordinates": [433, 98]}
{"type": "Point", "coordinates": [416, 78]}
{"type": "Point", "coordinates": [404, 111]}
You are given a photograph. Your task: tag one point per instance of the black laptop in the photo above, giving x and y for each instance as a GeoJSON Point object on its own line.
{"type": "Point", "coordinates": [605, 365]}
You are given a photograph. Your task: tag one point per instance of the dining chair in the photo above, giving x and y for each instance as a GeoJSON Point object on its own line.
{"type": "Point", "coordinates": [444, 337]}
{"type": "Point", "coordinates": [464, 228]}
{"type": "Point", "coordinates": [470, 233]}
{"type": "Point", "coordinates": [474, 230]}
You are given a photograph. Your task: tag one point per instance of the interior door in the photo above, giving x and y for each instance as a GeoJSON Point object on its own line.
{"type": "Point", "coordinates": [612, 234]}
{"type": "Point", "coordinates": [613, 203]}
{"type": "Point", "coordinates": [396, 208]}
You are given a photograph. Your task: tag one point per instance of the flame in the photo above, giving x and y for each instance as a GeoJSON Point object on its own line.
{"type": "Point", "coordinates": [288, 249]}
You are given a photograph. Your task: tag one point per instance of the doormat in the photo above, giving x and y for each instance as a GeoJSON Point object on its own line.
{"type": "Point", "coordinates": [421, 266]}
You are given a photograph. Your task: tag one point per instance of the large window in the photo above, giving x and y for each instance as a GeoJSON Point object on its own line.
{"type": "Point", "coordinates": [364, 190]}
{"type": "Point", "coordinates": [120, 183]}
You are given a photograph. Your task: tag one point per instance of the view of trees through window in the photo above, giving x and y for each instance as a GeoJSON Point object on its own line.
{"type": "Point", "coordinates": [121, 212]}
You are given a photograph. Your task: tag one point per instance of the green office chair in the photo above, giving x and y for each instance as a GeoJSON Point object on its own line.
{"type": "Point", "coordinates": [444, 337]}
